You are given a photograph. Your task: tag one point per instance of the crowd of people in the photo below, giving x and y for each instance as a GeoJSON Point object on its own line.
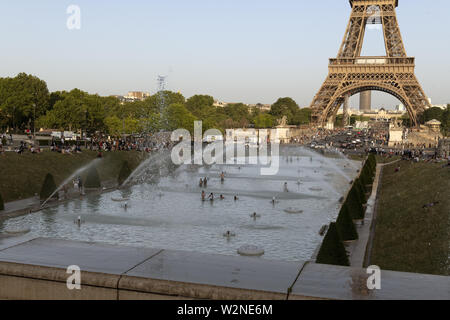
{"type": "Point", "coordinates": [100, 143]}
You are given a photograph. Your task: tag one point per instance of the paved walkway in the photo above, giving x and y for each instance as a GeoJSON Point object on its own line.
{"type": "Point", "coordinates": [359, 248]}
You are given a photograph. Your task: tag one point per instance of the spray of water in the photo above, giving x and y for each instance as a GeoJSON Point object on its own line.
{"type": "Point", "coordinates": [329, 162]}
{"type": "Point", "coordinates": [155, 160]}
{"type": "Point", "coordinates": [76, 173]}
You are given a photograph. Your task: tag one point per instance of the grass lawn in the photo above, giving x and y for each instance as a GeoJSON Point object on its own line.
{"type": "Point", "coordinates": [22, 176]}
{"type": "Point", "coordinates": [408, 237]}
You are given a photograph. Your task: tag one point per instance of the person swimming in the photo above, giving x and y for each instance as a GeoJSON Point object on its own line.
{"type": "Point", "coordinates": [236, 198]}
{"type": "Point", "coordinates": [222, 197]}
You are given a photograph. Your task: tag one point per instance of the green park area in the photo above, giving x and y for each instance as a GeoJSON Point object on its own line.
{"type": "Point", "coordinates": [413, 219]}
{"type": "Point", "coordinates": [23, 175]}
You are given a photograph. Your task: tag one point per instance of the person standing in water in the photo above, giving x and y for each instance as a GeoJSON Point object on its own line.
{"type": "Point", "coordinates": [200, 184]}
{"type": "Point", "coordinates": [286, 187]}
{"type": "Point", "coordinates": [203, 195]}
{"type": "Point", "coordinates": [205, 182]}
{"type": "Point", "coordinates": [211, 196]}
{"type": "Point", "coordinates": [222, 177]}
{"type": "Point", "coordinates": [80, 185]}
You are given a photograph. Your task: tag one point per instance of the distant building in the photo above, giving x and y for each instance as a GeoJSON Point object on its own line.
{"type": "Point", "coordinates": [219, 104]}
{"type": "Point", "coordinates": [260, 106]}
{"type": "Point", "coordinates": [137, 95]}
{"type": "Point", "coordinates": [132, 96]}
{"type": "Point", "coordinates": [365, 101]}
{"type": "Point", "coordinates": [440, 106]}
{"type": "Point", "coordinates": [434, 125]}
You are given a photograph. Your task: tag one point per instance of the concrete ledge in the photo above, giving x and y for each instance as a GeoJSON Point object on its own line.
{"type": "Point", "coordinates": [343, 283]}
{"type": "Point", "coordinates": [36, 269]}
{"type": "Point", "coordinates": [206, 276]}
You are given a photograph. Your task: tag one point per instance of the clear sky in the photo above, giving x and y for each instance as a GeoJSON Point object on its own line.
{"type": "Point", "coordinates": [235, 50]}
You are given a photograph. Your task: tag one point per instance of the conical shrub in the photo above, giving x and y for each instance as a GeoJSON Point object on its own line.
{"type": "Point", "coordinates": [332, 250]}
{"type": "Point", "coordinates": [2, 205]}
{"type": "Point", "coordinates": [355, 206]}
{"type": "Point", "coordinates": [360, 189]}
{"type": "Point", "coordinates": [92, 179]}
{"type": "Point", "coordinates": [124, 173]}
{"type": "Point", "coordinates": [48, 187]}
{"type": "Point", "coordinates": [346, 227]}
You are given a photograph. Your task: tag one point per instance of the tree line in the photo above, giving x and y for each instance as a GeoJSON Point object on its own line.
{"type": "Point", "coordinates": [25, 102]}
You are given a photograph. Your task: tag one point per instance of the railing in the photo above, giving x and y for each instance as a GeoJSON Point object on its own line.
{"type": "Point", "coordinates": [373, 61]}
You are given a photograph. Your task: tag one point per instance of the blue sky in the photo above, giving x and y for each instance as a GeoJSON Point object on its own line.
{"type": "Point", "coordinates": [235, 50]}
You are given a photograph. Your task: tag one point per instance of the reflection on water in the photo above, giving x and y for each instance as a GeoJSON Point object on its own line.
{"type": "Point", "coordinates": [167, 211]}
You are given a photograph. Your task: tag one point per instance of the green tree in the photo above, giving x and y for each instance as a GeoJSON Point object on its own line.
{"type": "Point", "coordinates": [22, 100]}
{"type": "Point", "coordinates": [431, 114]}
{"type": "Point", "coordinates": [177, 116]}
{"type": "Point", "coordinates": [302, 116]}
{"type": "Point", "coordinates": [263, 121]}
{"type": "Point", "coordinates": [285, 107]}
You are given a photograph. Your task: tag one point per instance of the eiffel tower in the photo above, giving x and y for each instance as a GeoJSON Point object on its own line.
{"type": "Point", "coordinates": [350, 73]}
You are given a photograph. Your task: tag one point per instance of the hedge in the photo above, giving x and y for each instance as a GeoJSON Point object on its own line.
{"type": "Point", "coordinates": [345, 226]}
{"type": "Point", "coordinates": [124, 173]}
{"type": "Point", "coordinates": [2, 205]}
{"type": "Point", "coordinates": [332, 250]}
{"type": "Point", "coordinates": [48, 187]}
{"type": "Point", "coordinates": [92, 179]}
{"type": "Point", "coordinates": [354, 204]}
{"type": "Point", "coordinates": [361, 190]}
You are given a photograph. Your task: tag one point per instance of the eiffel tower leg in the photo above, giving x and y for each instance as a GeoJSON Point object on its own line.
{"type": "Point", "coordinates": [346, 119]}
{"type": "Point", "coordinates": [418, 101]}
{"type": "Point", "coordinates": [323, 98]}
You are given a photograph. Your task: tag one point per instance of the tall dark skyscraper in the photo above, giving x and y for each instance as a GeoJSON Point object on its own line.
{"type": "Point", "coordinates": [365, 101]}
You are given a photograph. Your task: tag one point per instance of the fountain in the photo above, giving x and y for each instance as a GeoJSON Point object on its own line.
{"type": "Point", "coordinates": [76, 173]}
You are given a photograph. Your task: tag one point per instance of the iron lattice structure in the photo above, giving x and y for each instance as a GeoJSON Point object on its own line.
{"type": "Point", "coordinates": [350, 73]}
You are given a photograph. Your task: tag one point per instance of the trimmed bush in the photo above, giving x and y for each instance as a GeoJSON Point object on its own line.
{"type": "Point", "coordinates": [361, 190]}
{"type": "Point", "coordinates": [345, 226]}
{"type": "Point", "coordinates": [92, 179]}
{"type": "Point", "coordinates": [2, 205]}
{"type": "Point", "coordinates": [48, 187]}
{"type": "Point", "coordinates": [332, 250]}
{"type": "Point", "coordinates": [355, 206]}
{"type": "Point", "coordinates": [124, 173]}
